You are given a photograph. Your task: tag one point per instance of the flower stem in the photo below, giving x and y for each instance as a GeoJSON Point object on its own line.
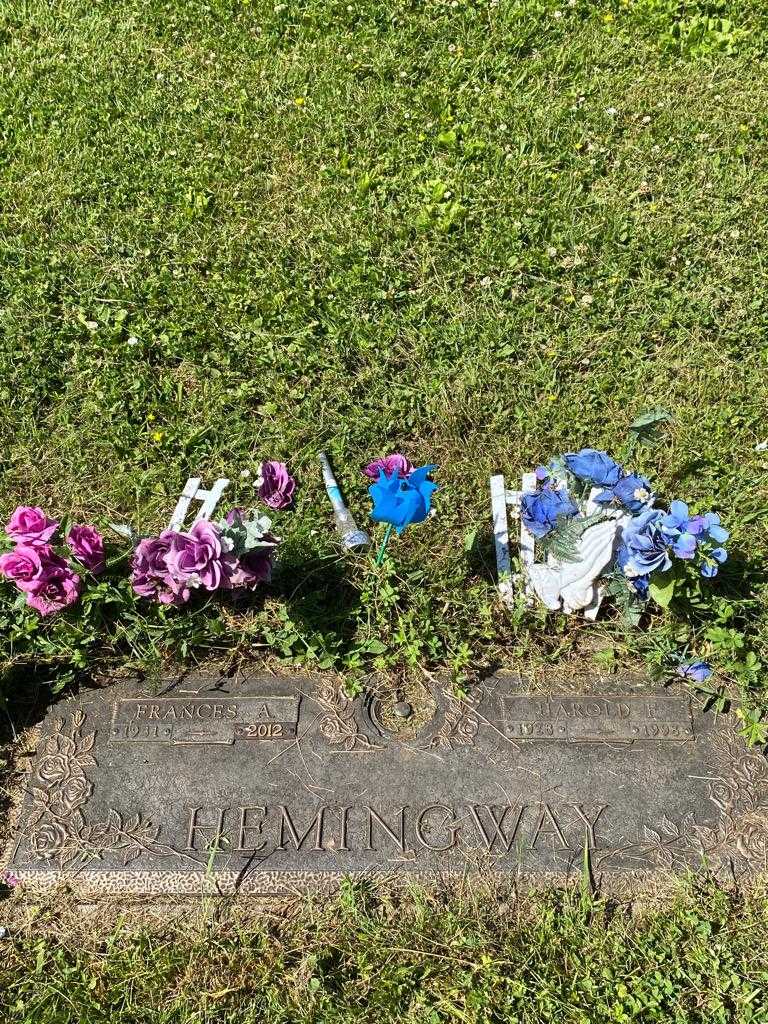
{"type": "Point", "coordinates": [383, 548]}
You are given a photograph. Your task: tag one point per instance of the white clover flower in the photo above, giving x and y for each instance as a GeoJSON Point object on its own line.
{"type": "Point", "coordinates": [244, 474]}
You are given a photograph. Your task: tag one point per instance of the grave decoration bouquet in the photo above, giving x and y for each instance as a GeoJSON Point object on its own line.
{"type": "Point", "coordinates": [401, 495]}
{"type": "Point", "coordinates": [235, 553]}
{"type": "Point", "coordinates": [602, 533]}
{"type": "Point", "coordinates": [50, 572]}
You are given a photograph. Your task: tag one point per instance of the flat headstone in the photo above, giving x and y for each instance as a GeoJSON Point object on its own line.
{"type": "Point", "coordinates": [276, 784]}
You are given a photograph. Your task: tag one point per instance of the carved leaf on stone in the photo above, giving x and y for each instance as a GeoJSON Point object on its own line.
{"type": "Point", "coordinates": [86, 743]}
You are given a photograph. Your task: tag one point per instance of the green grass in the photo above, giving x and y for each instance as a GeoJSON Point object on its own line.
{"type": "Point", "coordinates": [481, 233]}
{"type": "Point", "coordinates": [414, 959]}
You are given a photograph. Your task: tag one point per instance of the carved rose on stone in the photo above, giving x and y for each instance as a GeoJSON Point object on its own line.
{"type": "Point", "coordinates": [71, 795]}
{"type": "Point", "coordinates": [722, 794]}
{"type": "Point", "coordinates": [749, 770]}
{"type": "Point", "coordinates": [752, 838]}
{"type": "Point", "coordinates": [49, 840]}
{"type": "Point", "coordinates": [54, 769]}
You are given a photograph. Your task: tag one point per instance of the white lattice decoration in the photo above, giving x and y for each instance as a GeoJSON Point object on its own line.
{"type": "Point", "coordinates": [560, 586]}
{"type": "Point", "coordinates": [208, 499]}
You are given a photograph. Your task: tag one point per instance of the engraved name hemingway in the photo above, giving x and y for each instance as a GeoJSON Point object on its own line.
{"type": "Point", "coordinates": [265, 829]}
{"type": "Point", "coordinates": [204, 719]}
{"type": "Point", "coordinates": [593, 719]}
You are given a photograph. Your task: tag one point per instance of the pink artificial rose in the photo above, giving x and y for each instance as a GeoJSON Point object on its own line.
{"type": "Point", "coordinates": [254, 568]}
{"type": "Point", "coordinates": [25, 565]}
{"type": "Point", "coordinates": [57, 588]}
{"type": "Point", "coordinates": [30, 525]}
{"type": "Point", "coordinates": [150, 576]}
{"type": "Point", "coordinates": [390, 464]}
{"type": "Point", "coordinates": [197, 559]}
{"type": "Point", "coordinates": [87, 545]}
{"type": "Point", "coordinates": [277, 486]}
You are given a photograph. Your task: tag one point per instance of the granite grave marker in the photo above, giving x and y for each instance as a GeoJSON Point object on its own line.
{"type": "Point", "coordinates": [276, 784]}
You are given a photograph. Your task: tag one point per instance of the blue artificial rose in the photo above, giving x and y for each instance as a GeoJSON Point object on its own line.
{"type": "Point", "coordinates": [590, 464]}
{"type": "Point", "coordinates": [697, 671]}
{"type": "Point", "coordinates": [541, 511]}
{"type": "Point", "coordinates": [402, 502]}
{"type": "Point", "coordinates": [632, 491]}
{"type": "Point", "coordinates": [646, 544]}
{"type": "Point", "coordinates": [639, 583]}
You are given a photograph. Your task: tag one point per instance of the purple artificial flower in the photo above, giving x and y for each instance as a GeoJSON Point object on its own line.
{"type": "Point", "coordinates": [198, 559]}
{"type": "Point", "coordinates": [254, 567]}
{"type": "Point", "coordinates": [26, 564]}
{"type": "Point", "coordinates": [277, 486]}
{"type": "Point", "coordinates": [150, 576]}
{"type": "Point", "coordinates": [235, 517]}
{"type": "Point", "coordinates": [645, 544]}
{"type": "Point", "coordinates": [593, 465]}
{"type": "Point", "coordinates": [395, 463]}
{"type": "Point", "coordinates": [9, 879]}
{"type": "Point", "coordinates": [697, 671]}
{"type": "Point", "coordinates": [541, 473]}
{"type": "Point", "coordinates": [540, 511]}
{"type": "Point", "coordinates": [87, 545]}
{"type": "Point", "coordinates": [30, 525]}
{"type": "Point", "coordinates": [57, 588]}
{"type": "Point", "coordinates": [631, 491]}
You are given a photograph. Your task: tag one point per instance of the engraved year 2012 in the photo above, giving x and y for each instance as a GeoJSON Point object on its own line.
{"type": "Point", "coordinates": [263, 731]}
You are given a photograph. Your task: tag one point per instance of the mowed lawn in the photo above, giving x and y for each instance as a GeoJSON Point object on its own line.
{"type": "Point", "coordinates": [695, 957]}
{"type": "Point", "coordinates": [478, 233]}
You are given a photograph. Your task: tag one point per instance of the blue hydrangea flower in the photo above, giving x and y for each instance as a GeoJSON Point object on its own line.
{"type": "Point", "coordinates": [711, 562]}
{"type": "Point", "coordinates": [594, 465]}
{"type": "Point", "coordinates": [632, 491]}
{"type": "Point", "coordinates": [402, 502]}
{"type": "Point", "coordinates": [698, 671]}
{"type": "Point", "coordinates": [713, 529]}
{"type": "Point", "coordinates": [541, 511]}
{"type": "Point", "coordinates": [645, 543]}
{"type": "Point", "coordinates": [682, 529]}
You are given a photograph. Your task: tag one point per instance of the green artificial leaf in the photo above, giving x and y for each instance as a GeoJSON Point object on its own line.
{"type": "Point", "coordinates": [645, 429]}
{"type": "Point", "coordinates": [563, 542]}
{"type": "Point", "coordinates": [662, 588]}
